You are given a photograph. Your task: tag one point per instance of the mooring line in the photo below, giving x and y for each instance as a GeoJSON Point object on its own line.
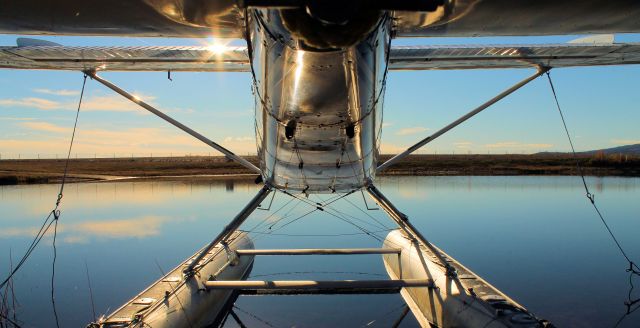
{"type": "Point", "coordinates": [93, 307]}
{"type": "Point", "coordinates": [52, 218]}
{"type": "Point", "coordinates": [633, 268]}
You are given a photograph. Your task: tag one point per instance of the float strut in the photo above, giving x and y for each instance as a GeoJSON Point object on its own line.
{"type": "Point", "coordinates": [230, 228]}
{"type": "Point", "coordinates": [403, 222]}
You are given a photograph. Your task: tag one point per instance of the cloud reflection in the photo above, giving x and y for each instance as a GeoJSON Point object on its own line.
{"type": "Point", "coordinates": [137, 227]}
{"type": "Point", "coordinates": [140, 227]}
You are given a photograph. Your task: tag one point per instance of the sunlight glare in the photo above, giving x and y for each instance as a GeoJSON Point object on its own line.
{"type": "Point", "coordinates": [217, 48]}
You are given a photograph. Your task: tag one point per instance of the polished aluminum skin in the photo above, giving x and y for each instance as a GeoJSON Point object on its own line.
{"type": "Point", "coordinates": [330, 100]}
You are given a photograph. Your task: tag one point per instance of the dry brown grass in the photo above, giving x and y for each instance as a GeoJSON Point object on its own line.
{"type": "Point", "coordinates": [49, 170]}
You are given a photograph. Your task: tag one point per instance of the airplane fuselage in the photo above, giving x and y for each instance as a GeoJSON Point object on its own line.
{"type": "Point", "coordinates": [318, 112]}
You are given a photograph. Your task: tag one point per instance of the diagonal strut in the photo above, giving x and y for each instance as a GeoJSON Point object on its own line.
{"type": "Point", "coordinates": [457, 122]}
{"type": "Point", "coordinates": [229, 154]}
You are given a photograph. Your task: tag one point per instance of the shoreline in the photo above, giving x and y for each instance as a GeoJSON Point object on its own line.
{"type": "Point", "coordinates": [205, 168]}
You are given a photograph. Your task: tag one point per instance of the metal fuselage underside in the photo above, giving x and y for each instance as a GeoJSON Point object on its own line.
{"type": "Point", "coordinates": [331, 101]}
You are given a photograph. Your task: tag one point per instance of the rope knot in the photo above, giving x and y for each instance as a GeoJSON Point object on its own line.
{"type": "Point", "coordinates": [59, 199]}
{"type": "Point", "coordinates": [632, 270]}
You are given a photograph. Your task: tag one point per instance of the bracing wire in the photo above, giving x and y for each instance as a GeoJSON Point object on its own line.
{"type": "Point", "coordinates": [265, 322]}
{"type": "Point", "coordinates": [355, 218]}
{"type": "Point", "coordinates": [367, 214]}
{"type": "Point", "coordinates": [322, 206]}
{"type": "Point", "coordinates": [266, 219]}
{"type": "Point", "coordinates": [633, 268]}
{"type": "Point", "coordinates": [298, 218]}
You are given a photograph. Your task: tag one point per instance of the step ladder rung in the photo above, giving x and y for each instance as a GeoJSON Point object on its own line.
{"type": "Point", "coordinates": [318, 251]}
{"type": "Point", "coordinates": [316, 284]}
{"type": "Point", "coordinates": [342, 291]}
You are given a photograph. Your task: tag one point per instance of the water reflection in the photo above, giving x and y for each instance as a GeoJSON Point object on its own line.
{"type": "Point", "coordinates": [536, 238]}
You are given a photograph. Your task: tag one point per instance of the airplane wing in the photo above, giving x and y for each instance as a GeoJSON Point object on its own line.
{"type": "Point", "coordinates": [517, 56]}
{"type": "Point", "coordinates": [236, 59]}
{"type": "Point", "coordinates": [195, 59]}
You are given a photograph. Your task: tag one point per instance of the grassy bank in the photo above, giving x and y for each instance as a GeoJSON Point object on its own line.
{"type": "Point", "coordinates": [50, 170]}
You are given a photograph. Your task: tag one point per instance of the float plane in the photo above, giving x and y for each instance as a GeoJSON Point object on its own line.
{"type": "Point", "coordinates": [319, 70]}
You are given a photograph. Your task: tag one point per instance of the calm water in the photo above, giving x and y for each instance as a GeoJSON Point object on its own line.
{"type": "Point", "coordinates": [536, 238]}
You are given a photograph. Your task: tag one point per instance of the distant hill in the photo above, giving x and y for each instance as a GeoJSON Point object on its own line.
{"type": "Point", "coordinates": [625, 150]}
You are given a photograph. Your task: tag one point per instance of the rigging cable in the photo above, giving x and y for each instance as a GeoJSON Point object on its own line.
{"type": "Point", "coordinates": [633, 268]}
{"type": "Point", "coordinates": [56, 211]}
{"type": "Point", "coordinates": [254, 316]}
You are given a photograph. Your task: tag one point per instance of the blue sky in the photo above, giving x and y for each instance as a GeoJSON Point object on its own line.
{"type": "Point", "coordinates": [601, 104]}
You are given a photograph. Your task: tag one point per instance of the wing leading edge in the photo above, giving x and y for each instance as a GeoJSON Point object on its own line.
{"type": "Point", "coordinates": [203, 59]}
{"type": "Point", "coordinates": [516, 56]}
{"type": "Point", "coordinates": [195, 59]}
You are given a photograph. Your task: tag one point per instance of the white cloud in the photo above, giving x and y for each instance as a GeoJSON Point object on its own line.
{"type": "Point", "coordinates": [412, 130]}
{"type": "Point", "coordinates": [515, 144]}
{"type": "Point", "coordinates": [238, 139]}
{"type": "Point", "coordinates": [159, 141]}
{"type": "Point", "coordinates": [18, 232]}
{"type": "Point", "coordinates": [44, 126]}
{"type": "Point", "coordinates": [32, 102]}
{"type": "Point", "coordinates": [115, 103]}
{"type": "Point", "coordinates": [463, 144]}
{"type": "Point", "coordinates": [109, 103]}
{"type": "Point", "coordinates": [388, 148]}
{"type": "Point", "coordinates": [137, 227]}
{"type": "Point", "coordinates": [62, 92]}
{"type": "Point", "coordinates": [502, 144]}
{"type": "Point", "coordinates": [622, 142]}
{"type": "Point", "coordinates": [17, 118]}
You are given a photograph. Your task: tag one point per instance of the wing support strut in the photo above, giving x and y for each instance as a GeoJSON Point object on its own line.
{"type": "Point", "coordinates": [229, 154]}
{"type": "Point", "coordinates": [410, 150]}
{"type": "Point", "coordinates": [402, 221]}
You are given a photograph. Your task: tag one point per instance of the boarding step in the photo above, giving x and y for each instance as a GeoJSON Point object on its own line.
{"type": "Point", "coordinates": [317, 251]}
{"type": "Point", "coordinates": [296, 287]}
